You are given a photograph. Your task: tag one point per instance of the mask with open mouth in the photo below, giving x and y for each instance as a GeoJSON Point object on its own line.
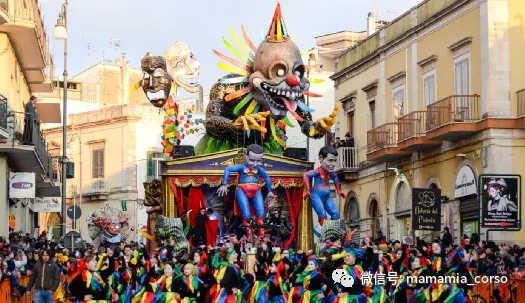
{"type": "Point", "coordinates": [279, 73]}
{"type": "Point", "coordinates": [184, 67]}
{"type": "Point", "coordinates": [156, 82]}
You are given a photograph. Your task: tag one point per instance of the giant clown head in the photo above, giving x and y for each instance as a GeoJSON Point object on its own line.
{"type": "Point", "coordinates": [278, 76]}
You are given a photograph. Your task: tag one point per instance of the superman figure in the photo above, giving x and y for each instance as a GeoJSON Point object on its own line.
{"type": "Point", "coordinates": [248, 186]}
{"type": "Point", "coordinates": [317, 184]}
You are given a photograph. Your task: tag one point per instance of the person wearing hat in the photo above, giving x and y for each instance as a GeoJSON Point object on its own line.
{"type": "Point", "coordinates": [497, 201]}
{"type": "Point", "coordinates": [311, 282]}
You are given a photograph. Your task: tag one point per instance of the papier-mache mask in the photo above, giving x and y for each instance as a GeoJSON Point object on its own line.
{"type": "Point", "coordinates": [156, 82]}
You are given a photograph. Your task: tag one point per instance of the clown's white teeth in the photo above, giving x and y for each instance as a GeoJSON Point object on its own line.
{"type": "Point", "coordinates": [288, 94]}
{"type": "Point", "coordinates": [293, 95]}
{"type": "Point", "coordinates": [257, 82]}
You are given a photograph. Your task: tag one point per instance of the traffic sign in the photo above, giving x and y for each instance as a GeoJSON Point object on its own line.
{"type": "Point", "coordinates": [74, 212]}
{"type": "Point", "coordinates": [124, 206]}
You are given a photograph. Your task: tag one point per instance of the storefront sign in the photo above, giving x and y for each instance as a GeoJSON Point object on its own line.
{"type": "Point", "coordinates": [470, 227]}
{"type": "Point", "coordinates": [12, 221]}
{"type": "Point", "coordinates": [465, 184]}
{"type": "Point", "coordinates": [48, 205]}
{"type": "Point", "coordinates": [21, 185]}
{"type": "Point", "coordinates": [426, 209]}
{"type": "Point", "coordinates": [500, 201]}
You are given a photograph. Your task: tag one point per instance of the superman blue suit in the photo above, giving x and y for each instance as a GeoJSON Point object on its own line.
{"type": "Point", "coordinates": [249, 189]}
{"type": "Point", "coordinates": [317, 183]}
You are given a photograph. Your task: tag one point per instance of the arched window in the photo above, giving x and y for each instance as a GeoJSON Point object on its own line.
{"type": "Point", "coordinates": [352, 211]}
{"type": "Point", "coordinates": [403, 197]}
{"type": "Point", "coordinates": [373, 209]}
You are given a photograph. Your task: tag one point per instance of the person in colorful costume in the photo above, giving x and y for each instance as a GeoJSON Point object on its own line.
{"type": "Point", "coordinates": [313, 282]}
{"type": "Point", "coordinates": [193, 287]}
{"type": "Point", "coordinates": [358, 293]}
{"type": "Point", "coordinates": [317, 184]}
{"type": "Point", "coordinates": [260, 268]}
{"type": "Point", "coordinates": [420, 290]}
{"type": "Point", "coordinates": [248, 185]}
{"type": "Point", "coordinates": [91, 283]}
{"type": "Point", "coordinates": [457, 264]}
{"type": "Point", "coordinates": [202, 271]}
{"type": "Point", "coordinates": [277, 290]}
{"type": "Point", "coordinates": [229, 277]}
{"type": "Point", "coordinates": [166, 289]}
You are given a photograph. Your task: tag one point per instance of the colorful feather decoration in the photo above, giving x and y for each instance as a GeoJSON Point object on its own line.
{"type": "Point", "coordinates": [247, 39]}
{"type": "Point", "coordinates": [277, 139]}
{"type": "Point", "coordinates": [287, 121]}
{"type": "Point", "coordinates": [239, 93]}
{"type": "Point", "coordinates": [233, 61]}
{"type": "Point", "coordinates": [233, 69]}
{"type": "Point", "coordinates": [236, 52]}
{"type": "Point", "coordinates": [305, 107]}
{"type": "Point", "coordinates": [241, 104]}
{"type": "Point", "coordinates": [240, 44]}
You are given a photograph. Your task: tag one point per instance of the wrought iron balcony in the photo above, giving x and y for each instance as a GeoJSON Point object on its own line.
{"type": "Point", "coordinates": [25, 144]}
{"type": "Point", "coordinates": [412, 132]}
{"type": "Point", "coordinates": [382, 143]}
{"type": "Point", "coordinates": [453, 117]}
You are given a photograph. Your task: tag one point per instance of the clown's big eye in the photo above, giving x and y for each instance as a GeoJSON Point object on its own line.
{"type": "Point", "coordinates": [278, 69]}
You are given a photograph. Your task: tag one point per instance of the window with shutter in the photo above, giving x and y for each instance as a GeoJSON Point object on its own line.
{"type": "Point", "coordinates": [101, 163]}
{"type": "Point", "coordinates": [94, 166]}
{"type": "Point", "coordinates": [98, 163]}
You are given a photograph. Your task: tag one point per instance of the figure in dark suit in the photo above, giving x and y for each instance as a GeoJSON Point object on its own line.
{"type": "Point", "coordinates": [30, 121]}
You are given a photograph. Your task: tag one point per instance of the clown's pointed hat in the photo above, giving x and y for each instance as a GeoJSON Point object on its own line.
{"type": "Point", "coordinates": [277, 31]}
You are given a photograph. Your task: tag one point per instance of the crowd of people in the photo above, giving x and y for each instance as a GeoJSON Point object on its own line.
{"type": "Point", "coordinates": [232, 272]}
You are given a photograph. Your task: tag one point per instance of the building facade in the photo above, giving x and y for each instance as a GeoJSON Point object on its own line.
{"type": "Point", "coordinates": [432, 102]}
{"type": "Point", "coordinates": [26, 68]}
{"type": "Point", "coordinates": [107, 146]}
{"type": "Point", "coordinates": [320, 60]}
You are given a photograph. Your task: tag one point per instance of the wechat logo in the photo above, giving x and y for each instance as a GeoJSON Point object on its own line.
{"type": "Point", "coordinates": [340, 276]}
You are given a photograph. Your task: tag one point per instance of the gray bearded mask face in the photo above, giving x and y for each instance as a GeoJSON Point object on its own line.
{"type": "Point", "coordinates": [156, 82]}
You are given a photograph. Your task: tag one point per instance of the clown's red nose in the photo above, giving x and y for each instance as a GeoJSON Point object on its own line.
{"type": "Point", "coordinates": [293, 80]}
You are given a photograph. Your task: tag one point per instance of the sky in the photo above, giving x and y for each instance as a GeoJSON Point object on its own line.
{"type": "Point", "coordinates": [153, 25]}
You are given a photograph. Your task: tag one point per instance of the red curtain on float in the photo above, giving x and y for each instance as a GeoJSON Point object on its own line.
{"type": "Point", "coordinates": [195, 203]}
{"type": "Point", "coordinates": [179, 196]}
{"type": "Point", "coordinates": [294, 197]}
{"type": "Point", "coordinates": [211, 231]}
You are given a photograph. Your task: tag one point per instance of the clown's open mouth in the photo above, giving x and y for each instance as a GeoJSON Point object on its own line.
{"type": "Point", "coordinates": [281, 98]}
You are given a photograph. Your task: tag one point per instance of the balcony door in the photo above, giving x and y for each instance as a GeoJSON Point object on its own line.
{"type": "Point", "coordinates": [399, 109]}
{"type": "Point", "coordinates": [462, 86]}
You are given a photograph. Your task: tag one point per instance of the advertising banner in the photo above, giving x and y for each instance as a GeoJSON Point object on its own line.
{"type": "Point", "coordinates": [21, 185]}
{"type": "Point", "coordinates": [426, 209]}
{"type": "Point", "coordinates": [47, 205]}
{"type": "Point", "coordinates": [500, 201]}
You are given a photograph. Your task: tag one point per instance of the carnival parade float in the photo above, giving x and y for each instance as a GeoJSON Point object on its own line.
{"type": "Point", "coordinates": [238, 167]}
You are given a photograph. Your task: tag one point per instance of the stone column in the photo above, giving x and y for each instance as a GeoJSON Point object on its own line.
{"type": "Point", "coordinates": [495, 59]}
{"type": "Point", "coordinates": [305, 227]}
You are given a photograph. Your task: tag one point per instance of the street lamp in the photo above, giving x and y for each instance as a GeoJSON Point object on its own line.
{"type": "Point", "coordinates": [60, 33]}
{"type": "Point", "coordinates": [311, 65]}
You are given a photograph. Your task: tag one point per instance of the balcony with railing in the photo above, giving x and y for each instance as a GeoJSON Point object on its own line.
{"type": "Point", "coordinates": [93, 190]}
{"type": "Point", "coordinates": [25, 145]}
{"type": "Point", "coordinates": [453, 117]}
{"type": "Point", "coordinates": [22, 21]}
{"type": "Point", "coordinates": [412, 132]}
{"type": "Point", "coordinates": [382, 143]}
{"type": "Point", "coordinates": [347, 165]}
